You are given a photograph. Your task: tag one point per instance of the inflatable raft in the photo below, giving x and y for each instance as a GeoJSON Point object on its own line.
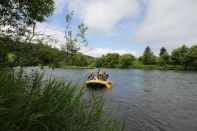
{"type": "Point", "coordinates": [98, 84]}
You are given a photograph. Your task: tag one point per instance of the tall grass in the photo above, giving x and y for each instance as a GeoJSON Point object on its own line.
{"type": "Point", "coordinates": [140, 65]}
{"type": "Point", "coordinates": [29, 103]}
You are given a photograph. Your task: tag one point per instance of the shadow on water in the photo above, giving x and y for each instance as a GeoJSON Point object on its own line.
{"type": "Point", "coordinates": [101, 91]}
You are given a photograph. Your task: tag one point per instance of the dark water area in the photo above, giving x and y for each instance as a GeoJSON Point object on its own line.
{"type": "Point", "coordinates": [148, 100]}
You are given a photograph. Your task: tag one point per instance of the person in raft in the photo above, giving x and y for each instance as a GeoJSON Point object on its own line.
{"type": "Point", "coordinates": [91, 74]}
{"type": "Point", "coordinates": [105, 75]}
{"type": "Point", "coordinates": [99, 74]}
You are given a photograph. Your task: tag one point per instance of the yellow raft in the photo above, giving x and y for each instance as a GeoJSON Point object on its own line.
{"type": "Point", "coordinates": [98, 84]}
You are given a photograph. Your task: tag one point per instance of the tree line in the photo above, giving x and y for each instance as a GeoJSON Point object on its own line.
{"type": "Point", "coordinates": [15, 53]}
{"type": "Point", "coordinates": [184, 58]}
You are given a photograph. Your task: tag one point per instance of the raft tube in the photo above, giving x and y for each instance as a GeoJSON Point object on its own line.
{"type": "Point", "coordinates": [98, 84]}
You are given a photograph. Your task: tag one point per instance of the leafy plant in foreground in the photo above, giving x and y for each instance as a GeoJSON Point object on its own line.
{"type": "Point", "coordinates": [29, 103]}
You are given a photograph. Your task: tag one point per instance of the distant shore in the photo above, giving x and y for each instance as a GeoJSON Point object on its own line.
{"type": "Point", "coordinates": [145, 67]}
{"type": "Point", "coordinates": [76, 67]}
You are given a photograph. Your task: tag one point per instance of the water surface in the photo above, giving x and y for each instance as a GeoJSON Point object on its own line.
{"type": "Point", "coordinates": [149, 100]}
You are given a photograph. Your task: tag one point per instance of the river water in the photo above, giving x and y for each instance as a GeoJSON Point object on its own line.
{"type": "Point", "coordinates": [148, 100]}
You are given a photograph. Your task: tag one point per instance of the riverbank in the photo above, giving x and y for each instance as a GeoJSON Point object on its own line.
{"type": "Point", "coordinates": [145, 67]}
{"type": "Point", "coordinates": [164, 67]}
{"type": "Point", "coordinates": [76, 67]}
{"type": "Point", "coordinates": [134, 66]}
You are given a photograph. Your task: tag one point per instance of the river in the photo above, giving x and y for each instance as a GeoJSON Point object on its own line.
{"type": "Point", "coordinates": [149, 100]}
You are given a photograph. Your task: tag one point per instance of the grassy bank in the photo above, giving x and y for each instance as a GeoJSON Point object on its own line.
{"type": "Point", "coordinates": [139, 65]}
{"type": "Point", "coordinates": [156, 67]}
{"type": "Point", "coordinates": [145, 67]}
{"type": "Point", "coordinates": [29, 103]}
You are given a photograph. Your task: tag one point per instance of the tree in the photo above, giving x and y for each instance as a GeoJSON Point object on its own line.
{"type": "Point", "coordinates": [73, 37]}
{"type": "Point", "coordinates": [164, 59]}
{"type": "Point", "coordinates": [99, 62]}
{"type": "Point", "coordinates": [180, 56]}
{"type": "Point", "coordinates": [148, 57]}
{"type": "Point", "coordinates": [126, 60]}
{"type": "Point", "coordinates": [17, 16]}
{"type": "Point", "coordinates": [80, 60]}
{"type": "Point", "coordinates": [193, 56]}
{"type": "Point", "coordinates": [140, 58]}
{"type": "Point", "coordinates": [111, 60]}
{"type": "Point", "coordinates": [162, 51]}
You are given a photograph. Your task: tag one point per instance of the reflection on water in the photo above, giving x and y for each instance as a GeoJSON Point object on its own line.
{"type": "Point", "coordinates": [149, 100]}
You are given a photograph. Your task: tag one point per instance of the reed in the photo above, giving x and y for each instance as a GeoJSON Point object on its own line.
{"type": "Point", "coordinates": [30, 103]}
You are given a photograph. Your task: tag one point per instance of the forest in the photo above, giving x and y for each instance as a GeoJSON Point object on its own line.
{"type": "Point", "coordinates": [182, 58]}
{"type": "Point", "coordinates": [15, 53]}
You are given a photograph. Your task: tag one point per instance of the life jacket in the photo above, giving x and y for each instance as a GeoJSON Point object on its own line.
{"type": "Point", "coordinates": [90, 75]}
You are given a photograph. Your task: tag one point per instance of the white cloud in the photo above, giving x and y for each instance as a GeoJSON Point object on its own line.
{"type": "Point", "coordinates": [168, 23]}
{"type": "Point", "coordinates": [60, 6]}
{"type": "Point", "coordinates": [97, 52]}
{"type": "Point", "coordinates": [103, 15]}
{"type": "Point", "coordinates": [51, 31]}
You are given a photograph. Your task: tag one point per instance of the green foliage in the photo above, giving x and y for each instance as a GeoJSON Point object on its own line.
{"type": "Point", "coordinates": [163, 59]}
{"type": "Point", "coordinates": [162, 51]}
{"type": "Point", "coordinates": [140, 58]}
{"type": "Point", "coordinates": [40, 54]}
{"type": "Point", "coordinates": [181, 56]}
{"type": "Point", "coordinates": [140, 65]}
{"type": "Point", "coordinates": [11, 57]}
{"type": "Point", "coordinates": [111, 60]}
{"type": "Point", "coordinates": [185, 56]}
{"type": "Point", "coordinates": [126, 60]}
{"type": "Point", "coordinates": [27, 102]}
{"type": "Point", "coordinates": [79, 60]}
{"type": "Point", "coordinates": [19, 15]}
{"type": "Point", "coordinates": [73, 37]}
{"type": "Point", "coordinates": [137, 64]}
{"type": "Point", "coordinates": [148, 57]}
{"type": "Point", "coordinates": [99, 62]}
{"type": "Point", "coordinates": [193, 56]}
{"type": "Point", "coordinates": [26, 54]}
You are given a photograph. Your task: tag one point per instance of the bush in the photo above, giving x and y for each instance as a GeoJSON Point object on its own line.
{"type": "Point", "coordinates": [29, 103]}
{"type": "Point", "coordinates": [137, 64]}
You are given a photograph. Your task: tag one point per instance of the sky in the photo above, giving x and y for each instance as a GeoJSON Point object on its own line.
{"type": "Point", "coordinates": [127, 26]}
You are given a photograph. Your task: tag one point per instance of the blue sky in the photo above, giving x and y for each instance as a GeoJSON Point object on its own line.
{"type": "Point", "coordinates": [127, 26]}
